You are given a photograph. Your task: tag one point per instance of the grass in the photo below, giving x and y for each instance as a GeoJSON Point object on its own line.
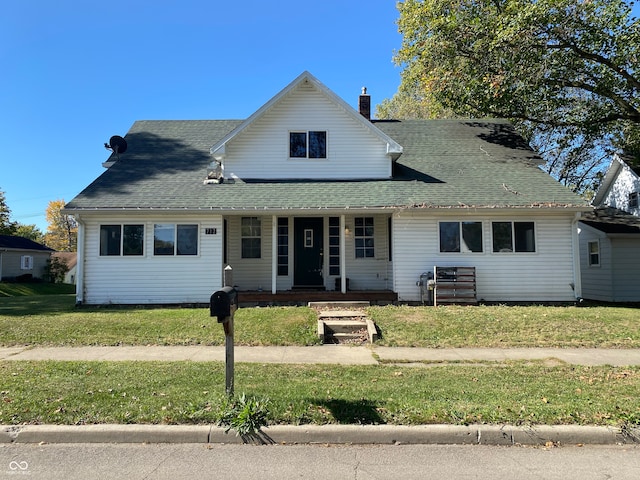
{"type": "Point", "coordinates": [189, 392]}
{"type": "Point", "coordinates": [192, 393]}
{"type": "Point", "coordinates": [53, 320]}
{"type": "Point", "coordinates": [35, 288]}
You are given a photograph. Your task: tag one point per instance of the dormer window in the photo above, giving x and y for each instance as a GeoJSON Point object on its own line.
{"type": "Point", "coordinates": [311, 144]}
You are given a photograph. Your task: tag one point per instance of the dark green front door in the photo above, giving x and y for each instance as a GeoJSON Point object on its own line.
{"type": "Point", "coordinates": [307, 270]}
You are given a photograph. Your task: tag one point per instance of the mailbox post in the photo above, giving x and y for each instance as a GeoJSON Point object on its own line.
{"type": "Point", "coordinates": [223, 305]}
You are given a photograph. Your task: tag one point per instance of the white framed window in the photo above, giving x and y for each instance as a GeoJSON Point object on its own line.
{"type": "Point", "coordinates": [364, 237]}
{"type": "Point", "coordinates": [251, 237]}
{"type": "Point", "coordinates": [308, 144]}
{"type": "Point", "coordinates": [171, 239]}
{"type": "Point", "coordinates": [125, 240]}
{"type": "Point", "coordinates": [593, 248]}
{"type": "Point", "coordinates": [633, 200]}
{"type": "Point", "coordinates": [513, 237]}
{"type": "Point", "coordinates": [26, 262]}
{"type": "Point", "coordinates": [461, 237]}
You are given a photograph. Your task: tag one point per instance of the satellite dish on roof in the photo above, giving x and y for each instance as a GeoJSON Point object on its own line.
{"type": "Point", "coordinates": [117, 145]}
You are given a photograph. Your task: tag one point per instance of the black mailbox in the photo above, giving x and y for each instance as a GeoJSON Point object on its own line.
{"type": "Point", "coordinates": [224, 303]}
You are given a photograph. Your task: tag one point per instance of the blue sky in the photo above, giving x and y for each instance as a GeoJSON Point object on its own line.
{"type": "Point", "coordinates": [74, 73]}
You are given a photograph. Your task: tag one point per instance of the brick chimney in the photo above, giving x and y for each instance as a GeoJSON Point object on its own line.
{"type": "Point", "coordinates": [364, 104]}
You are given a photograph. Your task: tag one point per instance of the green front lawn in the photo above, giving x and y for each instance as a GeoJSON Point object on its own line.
{"type": "Point", "coordinates": [54, 320]}
{"type": "Point", "coordinates": [187, 392]}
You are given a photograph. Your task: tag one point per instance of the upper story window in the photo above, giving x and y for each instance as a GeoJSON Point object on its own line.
{"type": "Point", "coordinates": [171, 239]}
{"type": "Point", "coordinates": [461, 236]}
{"type": "Point", "coordinates": [116, 240]}
{"type": "Point", "coordinates": [311, 144]}
{"type": "Point", "coordinates": [513, 237]}
{"type": "Point", "coordinates": [633, 200]}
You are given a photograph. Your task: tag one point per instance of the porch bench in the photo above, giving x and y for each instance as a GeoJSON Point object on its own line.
{"type": "Point", "coordinates": [455, 286]}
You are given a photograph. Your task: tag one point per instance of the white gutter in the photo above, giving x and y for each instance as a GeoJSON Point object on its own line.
{"type": "Point", "coordinates": [80, 263]}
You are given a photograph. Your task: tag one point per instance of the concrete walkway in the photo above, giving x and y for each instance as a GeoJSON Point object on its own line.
{"type": "Point", "coordinates": [336, 434]}
{"type": "Point", "coordinates": [327, 354]}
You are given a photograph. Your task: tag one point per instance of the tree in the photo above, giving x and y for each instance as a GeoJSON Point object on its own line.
{"type": "Point", "coordinates": [565, 71]}
{"type": "Point", "coordinates": [7, 227]}
{"type": "Point", "coordinates": [31, 232]}
{"type": "Point", "coordinates": [62, 231]}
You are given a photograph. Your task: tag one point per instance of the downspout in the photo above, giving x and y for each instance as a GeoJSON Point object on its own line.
{"type": "Point", "coordinates": [577, 276]}
{"type": "Point", "coordinates": [80, 263]}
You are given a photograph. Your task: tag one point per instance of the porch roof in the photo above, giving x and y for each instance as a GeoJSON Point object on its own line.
{"type": "Point", "coordinates": [445, 164]}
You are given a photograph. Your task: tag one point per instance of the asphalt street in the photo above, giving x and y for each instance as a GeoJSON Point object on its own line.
{"type": "Point", "coordinates": [283, 462]}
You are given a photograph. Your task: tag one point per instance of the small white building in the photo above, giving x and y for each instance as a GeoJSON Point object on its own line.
{"type": "Point", "coordinates": [22, 258]}
{"type": "Point", "coordinates": [309, 194]}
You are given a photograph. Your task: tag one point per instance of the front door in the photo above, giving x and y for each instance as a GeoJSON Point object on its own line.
{"type": "Point", "coordinates": [308, 252]}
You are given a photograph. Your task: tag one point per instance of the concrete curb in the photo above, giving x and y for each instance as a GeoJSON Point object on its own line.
{"type": "Point", "coordinates": [325, 434]}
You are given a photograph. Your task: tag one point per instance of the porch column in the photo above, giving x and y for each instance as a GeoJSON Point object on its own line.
{"type": "Point", "coordinates": [343, 255]}
{"type": "Point", "coordinates": [274, 253]}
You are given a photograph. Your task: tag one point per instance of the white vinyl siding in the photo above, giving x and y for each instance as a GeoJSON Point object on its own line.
{"type": "Point", "coordinates": [262, 151]}
{"type": "Point", "coordinates": [596, 282]}
{"type": "Point", "coordinates": [626, 268]}
{"type": "Point", "coordinates": [618, 196]}
{"type": "Point", "coordinates": [150, 279]}
{"type": "Point", "coordinates": [250, 273]}
{"type": "Point", "coordinates": [543, 275]}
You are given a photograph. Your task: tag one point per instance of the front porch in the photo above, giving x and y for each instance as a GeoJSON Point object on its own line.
{"type": "Point", "coordinates": [302, 297]}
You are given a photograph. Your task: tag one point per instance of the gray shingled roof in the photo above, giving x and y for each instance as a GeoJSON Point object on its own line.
{"type": "Point", "coordinates": [445, 164]}
{"type": "Point", "coordinates": [22, 243]}
{"type": "Point", "coordinates": [611, 220]}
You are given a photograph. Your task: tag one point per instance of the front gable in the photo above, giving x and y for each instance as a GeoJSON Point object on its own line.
{"type": "Point", "coordinates": [306, 132]}
{"type": "Point", "coordinates": [620, 188]}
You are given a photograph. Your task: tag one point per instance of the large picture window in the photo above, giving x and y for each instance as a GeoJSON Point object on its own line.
{"type": "Point", "coordinates": [461, 237]}
{"type": "Point", "coordinates": [251, 233]}
{"type": "Point", "coordinates": [172, 239]}
{"type": "Point", "coordinates": [116, 240]}
{"type": "Point", "coordinates": [513, 237]}
{"type": "Point", "coordinates": [312, 144]}
{"type": "Point", "coordinates": [364, 237]}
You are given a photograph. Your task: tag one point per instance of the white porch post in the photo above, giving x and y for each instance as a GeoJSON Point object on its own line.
{"type": "Point", "coordinates": [274, 253]}
{"type": "Point", "coordinates": [343, 259]}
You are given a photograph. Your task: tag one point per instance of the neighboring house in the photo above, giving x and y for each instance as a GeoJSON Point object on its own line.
{"type": "Point", "coordinates": [610, 238]}
{"type": "Point", "coordinates": [22, 258]}
{"type": "Point", "coordinates": [309, 194]}
{"type": "Point", "coordinates": [71, 260]}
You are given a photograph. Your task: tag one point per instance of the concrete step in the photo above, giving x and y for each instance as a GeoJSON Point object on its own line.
{"type": "Point", "coordinates": [341, 314]}
{"type": "Point", "coordinates": [344, 326]}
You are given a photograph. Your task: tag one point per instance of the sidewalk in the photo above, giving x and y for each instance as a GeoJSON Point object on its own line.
{"type": "Point", "coordinates": [326, 354]}
{"type": "Point", "coordinates": [326, 434]}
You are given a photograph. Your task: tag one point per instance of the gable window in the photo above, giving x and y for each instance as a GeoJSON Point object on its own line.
{"type": "Point", "coordinates": [311, 144]}
{"type": "Point", "coordinates": [461, 236]}
{"type": "Point", "coordinates": [363, 236]}
{"type": "Point", "coordinates": [251, 233]}
{"type": "Point", "coordinates": [594, 253]}
{"type": "Point", "coordinates": [633, 200]}
{"type": "Point", "coordinates": [116, 240]}
{"type": "Point", "coordinates": [172, 239]}
{"type": "Point", "coordinates": [513, 237]}
{"type": "Point", "coordinates": [26, 262]}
